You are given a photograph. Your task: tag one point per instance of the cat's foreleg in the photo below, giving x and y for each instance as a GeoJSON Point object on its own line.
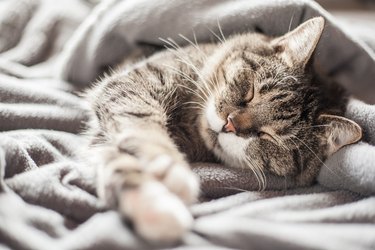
{"type": "Point", "coordinates": [143, 174]}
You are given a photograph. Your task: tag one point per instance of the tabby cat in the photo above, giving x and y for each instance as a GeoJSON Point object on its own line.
{"type": "Point", "coordinates": [249, 101]}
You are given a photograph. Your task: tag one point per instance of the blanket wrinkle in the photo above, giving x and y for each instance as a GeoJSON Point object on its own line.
{"type": "Point", "coordinates": [48, 200]}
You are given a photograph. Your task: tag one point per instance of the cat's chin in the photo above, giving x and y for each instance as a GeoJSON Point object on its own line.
{"type": "Point", "coordinates": [228, 147]}
{"type": "Point", "coordinates": [232, 149]}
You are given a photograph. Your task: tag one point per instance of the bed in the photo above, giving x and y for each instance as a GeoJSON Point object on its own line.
{"type": "Point", "coordinates": [51, 52]}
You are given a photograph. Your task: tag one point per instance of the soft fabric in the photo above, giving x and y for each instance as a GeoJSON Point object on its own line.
{"type": "Point", "coordinates": [47, 194]}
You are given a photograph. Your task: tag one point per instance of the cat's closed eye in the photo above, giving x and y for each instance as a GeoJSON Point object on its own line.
{"type": "Point", "coordinates": [265, 135]}
{"type": "Point", "coordinates": [249, 95]}
{"type": "Point", "coordinates": [247, 98]}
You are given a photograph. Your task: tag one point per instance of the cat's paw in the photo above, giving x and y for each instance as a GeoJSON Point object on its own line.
{"type": "Point", "coordinates": [152, 197]}
{"type": "Point", "coordinates": [157, 214]}
{"type": "Point", "coordinates": [118, 172]}
{"type": "Point", "coordinates": [176, 176]}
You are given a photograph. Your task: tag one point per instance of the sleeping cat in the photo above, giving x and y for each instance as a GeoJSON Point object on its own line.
{"type": "Point", "coordinates": [251, 101]}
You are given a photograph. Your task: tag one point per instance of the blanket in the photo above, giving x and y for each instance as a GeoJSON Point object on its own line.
{"type": "Point", "coordinates": [50, 51]}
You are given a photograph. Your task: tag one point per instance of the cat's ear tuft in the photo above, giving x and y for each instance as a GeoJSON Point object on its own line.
{"type": "Point", "coordinates": [339, 131]}
{"type": "Point", "coordinates": [296, 47]}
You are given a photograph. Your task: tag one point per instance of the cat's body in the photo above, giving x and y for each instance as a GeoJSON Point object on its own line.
{"type": "Point", "coordinates": [250, 101]}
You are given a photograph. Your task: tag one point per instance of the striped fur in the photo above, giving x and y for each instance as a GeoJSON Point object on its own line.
{"type": "Point", "coordinates": [162, 113]}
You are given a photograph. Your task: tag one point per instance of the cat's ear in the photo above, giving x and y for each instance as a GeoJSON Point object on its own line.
{"type": "Point", "coordinates": [339, 131]}
{"type": "Point", "coordinates": [296, 47]}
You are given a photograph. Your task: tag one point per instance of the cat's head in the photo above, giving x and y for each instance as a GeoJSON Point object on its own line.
{"type": "Point", "coordinates": [264, 112]}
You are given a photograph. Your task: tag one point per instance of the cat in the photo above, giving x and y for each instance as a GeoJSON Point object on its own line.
{"type": "Point", "coordinates": [249, 101]}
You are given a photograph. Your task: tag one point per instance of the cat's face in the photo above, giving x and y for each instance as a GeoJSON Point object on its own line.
{"type": "Point", "coordinates": [263, 111]}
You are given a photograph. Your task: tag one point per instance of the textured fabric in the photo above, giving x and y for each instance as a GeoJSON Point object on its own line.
{"type": "Point", "coordinates": [47, 195]}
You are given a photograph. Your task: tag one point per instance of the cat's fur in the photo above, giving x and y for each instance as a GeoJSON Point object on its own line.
{"type": "Point", "coordinates": [251, 101]}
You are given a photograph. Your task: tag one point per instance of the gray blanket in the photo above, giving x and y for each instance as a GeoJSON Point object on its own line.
{"type": "Point", "coordinates": [49, 51]}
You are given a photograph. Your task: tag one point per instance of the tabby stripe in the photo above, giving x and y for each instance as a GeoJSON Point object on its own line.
{"type": "Point", "coordinates": [157, 72]}
{"type": "Point", "coordinates": [250, 62]}
{"type": "Point", "coordinates": [223, 72]}
{"type": "Point", "coordinates": [128, 92]}
{"type": "Point", "coordinates": [297, 159]}
{"type": "Point", "coordinates": [279, 97]}
{"type": "Point", "coordinates": [285, 116]}
{"type": "Point", "coordinates": [139, 115]}
{"type": "Point", "coordinates": [145, 100]}
{"type": "Point", "coordinates": [268, 87]}
{"type": "Point", "coordinates": [304, 115]}
{"type": "Point", "coordinates": [138, 73]}
{"type": "Point", "coordinates": [265, 88]}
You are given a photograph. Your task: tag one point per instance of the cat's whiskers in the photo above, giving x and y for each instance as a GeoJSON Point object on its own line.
{"type": "Point", "coordinates": [286, 78]}
{"type": "Point", "coordinates": [199, 105]}
{"type": "Point", "coordinates": [205, 84]}
{"type": "Point", "coordinates": [213, 84]}
{"type": "Point", "coordinates": [185, 59]}
{"type": "Point", "coordinates": [192, 91]}
{"type": "Point", "coordinates": [191, 80]}
{"type": "Point", "coordinates": [197, 94]}
{"type": "Point", "coordinates": [245, 164]}
{"type": "Point", "coordinates": [187, 62]}
{"type": "Point", "coordinates": [299, 153]}
{"type": "Point", "coordinates": [196, 46]}
{"type": "Point", "coordinates": [220, 30]}
{"type": "Point", "coordinates": [258, 171]}
{"type": "Point", "coordinates": [291, 21]}
{"type": "Point", "coordinates": [216, 35]}
{"type": "Point", "coordinates": [317, 157]}
{"type": "Point", "coordinates": [195, 38]}
{"type": "Point", "coordinates": [168, 96]}
{"type": "Point", "coordinates": [236, 189]}
{"type": "Point", "coordinates": [280, 141]}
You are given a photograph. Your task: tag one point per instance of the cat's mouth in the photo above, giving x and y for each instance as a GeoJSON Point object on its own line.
{"type": "Point", "coordinates": [227, 145]}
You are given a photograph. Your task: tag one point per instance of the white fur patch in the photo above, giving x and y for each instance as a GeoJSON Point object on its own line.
{"type": "Point", "coordinates": [214, 121]}
{"type": "Point", "coordinates": [158, 215]}
{"type": "Point", "coordinates": [233, 146]}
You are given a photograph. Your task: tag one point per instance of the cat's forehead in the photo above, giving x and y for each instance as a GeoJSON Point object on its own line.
{"type": "Point", "coordinates": [265, 70]}
{"type": "Point", "coordinates": [254, 43]}
{"type": "Point", "coordinates": [251, 56]}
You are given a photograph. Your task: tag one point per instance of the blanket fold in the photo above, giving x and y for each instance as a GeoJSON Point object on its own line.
{"type": "Point", "coordinates": [49, 52]}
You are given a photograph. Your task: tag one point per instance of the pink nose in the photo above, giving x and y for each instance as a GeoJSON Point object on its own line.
{"type": "Point", "coordinates": [229, 127]}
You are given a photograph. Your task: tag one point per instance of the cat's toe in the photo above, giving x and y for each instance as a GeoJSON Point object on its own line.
{"type": "Point", "coordinates": [177, 176]}
{"type": "Point", "coordinates": [157, 214]}
{"type": "Point", "coordinates": [119, 172]}
{"type": "Point", "coordinates": [183, 182]}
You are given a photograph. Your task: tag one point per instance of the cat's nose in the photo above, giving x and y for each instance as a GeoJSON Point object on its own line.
{"type": "Point", "coordinates": [229, 126]}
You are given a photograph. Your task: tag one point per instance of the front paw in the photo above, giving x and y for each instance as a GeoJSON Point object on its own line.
{"type": "Point", "coordinates": [176, 176]}
{"type": "Point", "coordinates": [151, 195]}
{"type": "Point", "coordinates": [157, 214]}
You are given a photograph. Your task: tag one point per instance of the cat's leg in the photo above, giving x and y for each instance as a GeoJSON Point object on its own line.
{"type": "Point", "coordinates": [151, 187]}
{"type": "Point", "coordinates": [142, 173]}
